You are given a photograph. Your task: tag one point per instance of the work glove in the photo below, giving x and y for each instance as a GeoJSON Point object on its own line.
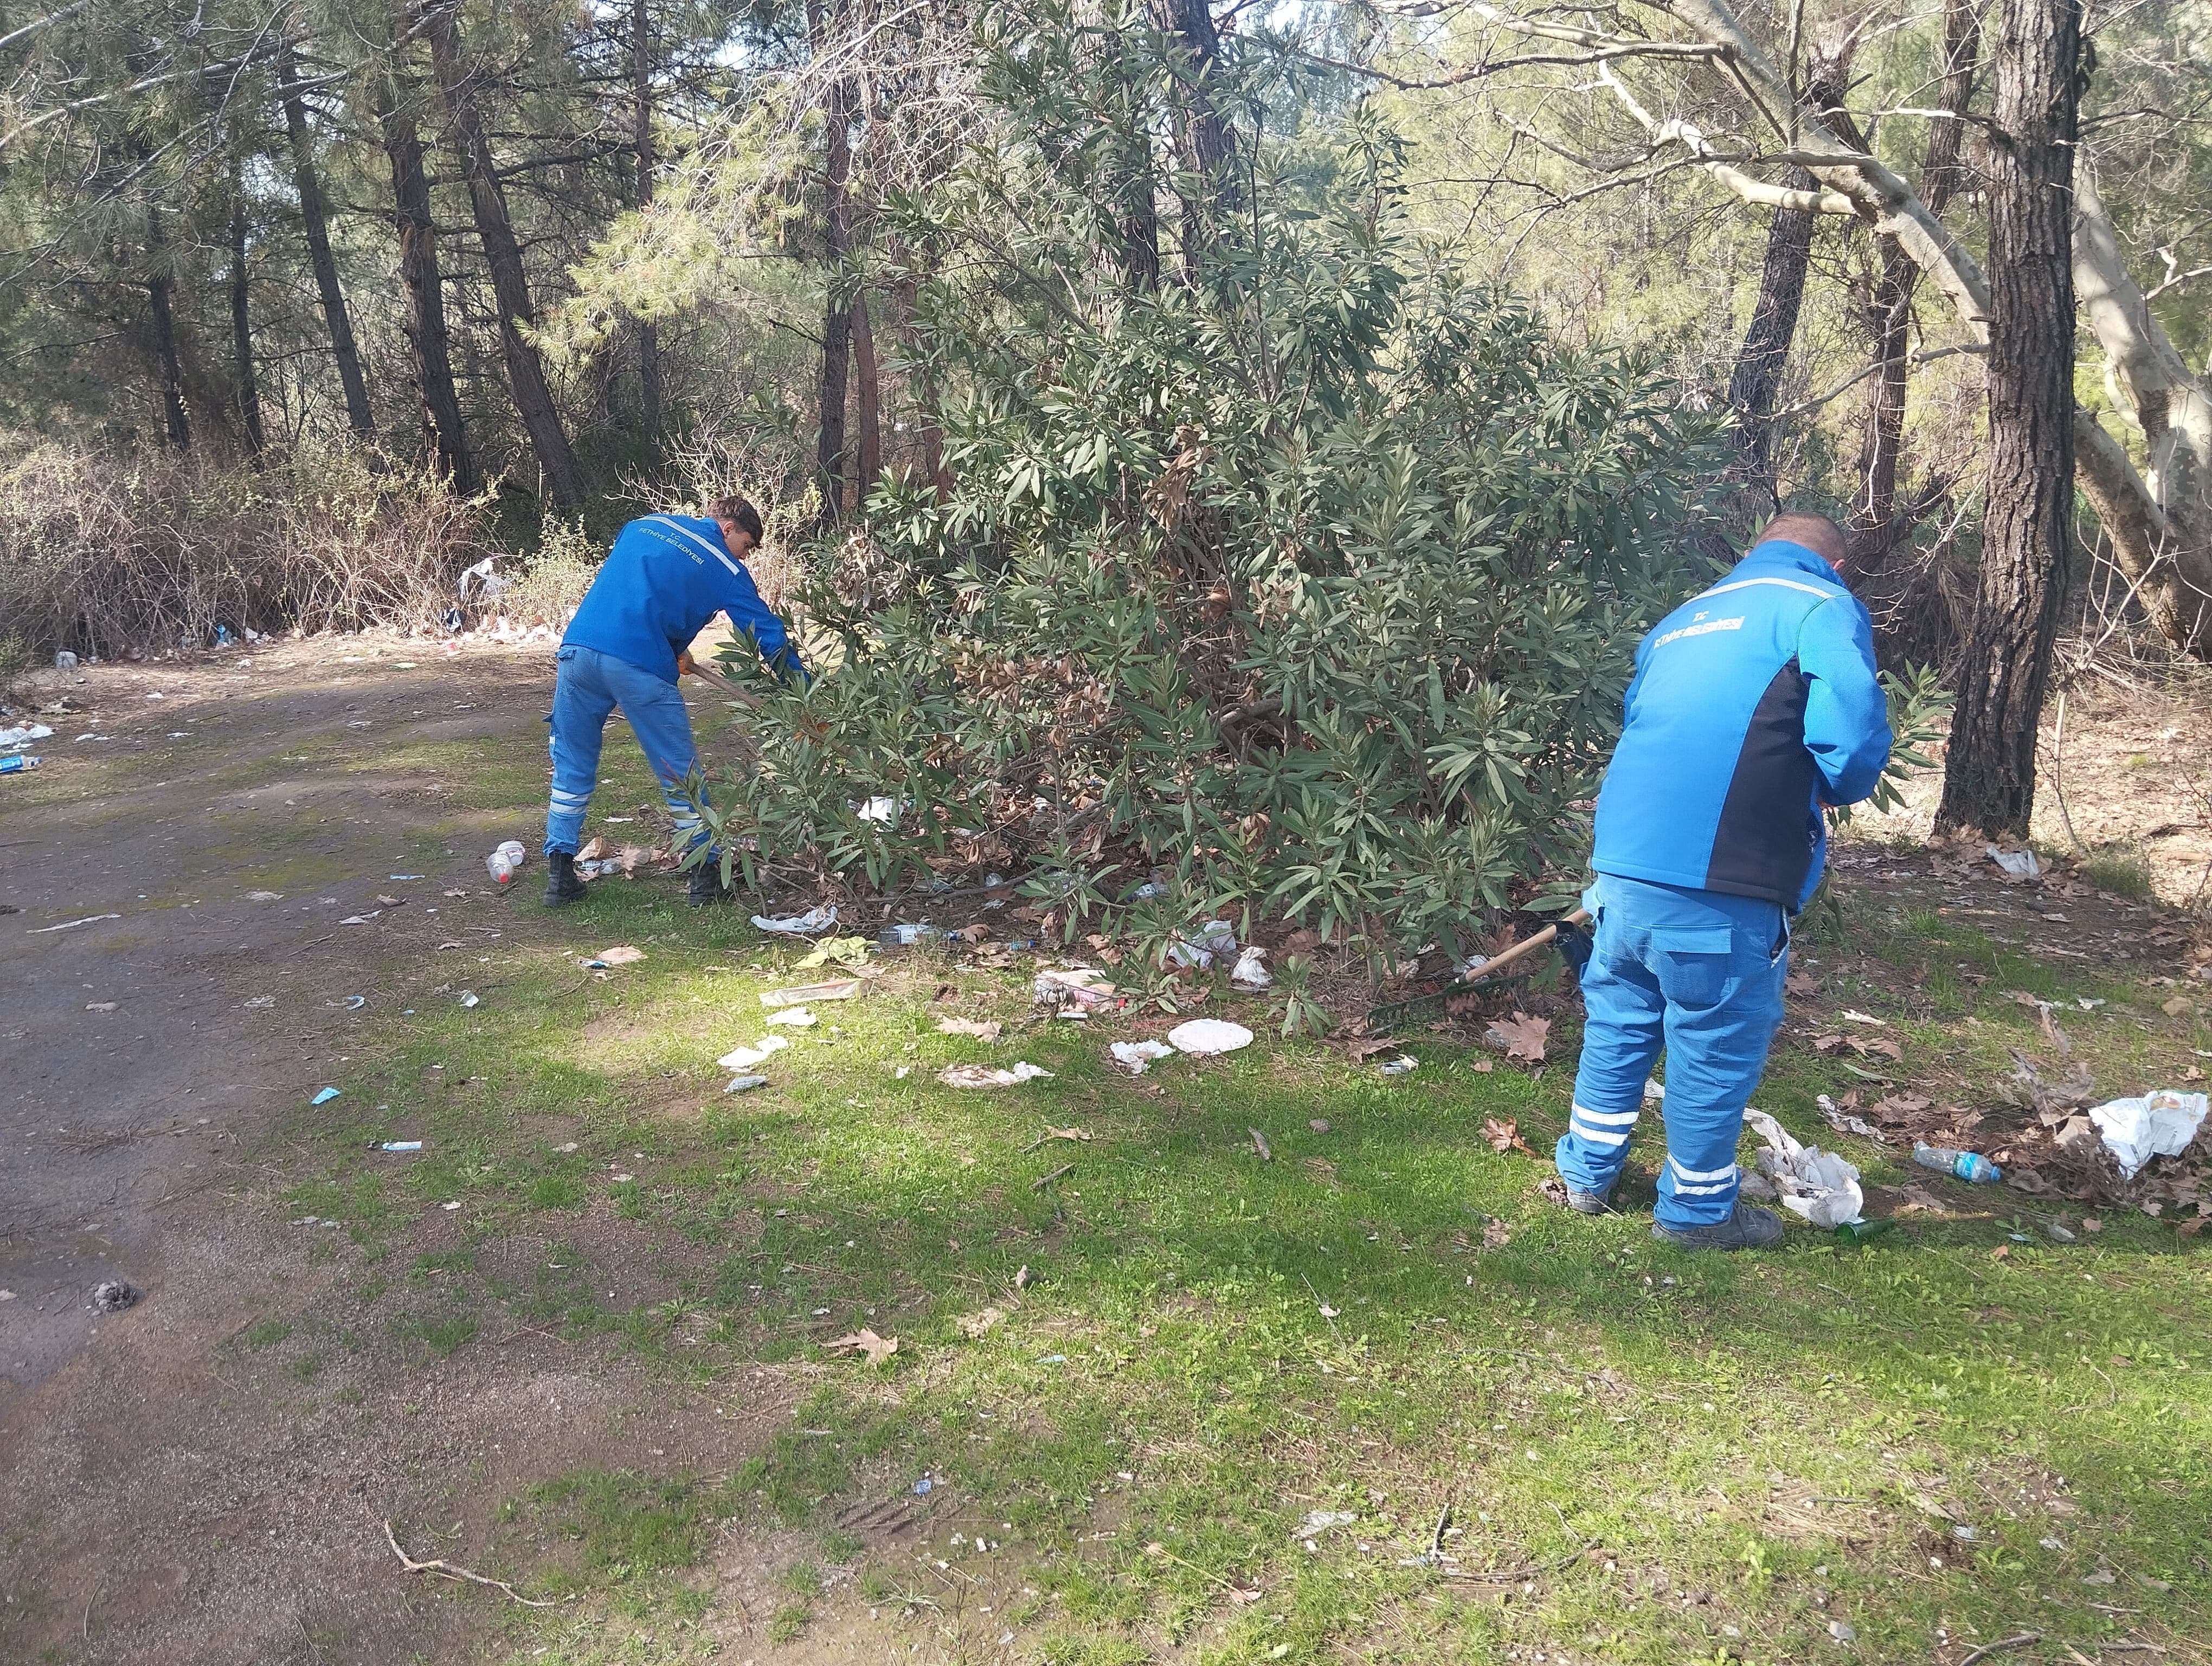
{"type": "Point", "coordinates": [1574, 943]}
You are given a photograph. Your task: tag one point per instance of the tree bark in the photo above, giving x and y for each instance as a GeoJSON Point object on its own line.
{"type": "Point", "coordinates": [1874, 531]}
{"type": "Point", "coordinates": [1757, 377]}
{"type": "Point", "coordinates": [1131, 179]}
{"type": "Point", "coordinates": [160, 289]}
{"type": "Point", "coordinates": [1204, 138]}
{"type": "Point", "coordinates": [248, 389]}
{"type": "Point", "coordinates": [836, 315]}
{"type": "Point", "coordinates": [444, 436]}
{"type": "Point", "coordinates": [314, 215]}
{"type": "Point", "coordinates": [533, 398]}
{"type": "Point", "coordinates": [868, 405]}
{"type": "Point", "coordinates": [1988, 777]}
{"type": "Point", "coordinates": [647, 334]}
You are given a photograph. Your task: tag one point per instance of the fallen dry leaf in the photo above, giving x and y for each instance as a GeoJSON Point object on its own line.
{"type": "Point", "coordinates": [982, 1030]}
{"type": "Point", "coordinates": [1827, 1043]}
{"type": "Point", "coordinates": [1052, 1132]}
{"type": "Point", "coordinates": [1881, 1044]}
{"type": "Point", "coordinates": [1521, 1036]}
{"type": "Point", "coordinates": [1363, 1048]}
{"type": "Point", "coordinates": [973, 1325]}
{"type": "Point", "coordinates": [1803, 984]}
{"type": "Point", "coordinates": [1504, 1134]}
{"type": "Point", "coordinates": [1496, 1235]}
{"type": "Point", "coordinates": [388, 902]}
{"type": "Point", "coordinates": [877, 1348]}
{"type": "Point", "coordinates": [1243, 1598]}
{"type": "Point", "coordinates": [621, 956]}
{"type": "Point", "coordinates": [1483, 1066]}
{"type": "Point", "coordinates": [595, 849]}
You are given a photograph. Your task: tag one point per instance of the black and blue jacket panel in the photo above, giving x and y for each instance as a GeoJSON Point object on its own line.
{"type": "Point", "coordinates": [1753, 706]}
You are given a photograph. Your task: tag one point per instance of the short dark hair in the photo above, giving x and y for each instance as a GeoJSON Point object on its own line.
{"type": "Point", "coordinates": [1816, 532]}
{"type": "Point", "coordinates": [740, 512]}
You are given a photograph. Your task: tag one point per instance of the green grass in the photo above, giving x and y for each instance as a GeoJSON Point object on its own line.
{"type": "Point", "coordinates": [2121, 869]}
{"type": "Point", "coordinates": [1676, 1458]}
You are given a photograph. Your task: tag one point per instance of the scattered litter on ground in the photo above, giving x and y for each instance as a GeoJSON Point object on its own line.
{"type": "Point", "coordinates": [1260, 1144]}
{"type": "Point", "coordinates": [1323, 1521]}
{"type": "Point", "coordinates": [24, 734]}
{"type": "Point", "coordinates": [803, 994]}
{"type": "Point", "coordinates": [361, 919]}
{"type": "Point", "coordinates": [504, 863]}
{"type": "Point", "coordinates": [64, 660]}
{"type": "Point", "coordinates": [100, 1005]}
{"type": "Point", "coordinates": [745, 1058]}
{"type": "Point", "coordinates": [884, 811]}
{"type": "Point", "coordinates": [1216, 939]}
{"type": "Point", "coordinates": [403, 876]}
{"type": "Point", "coordinates": [469, 998]}
{"type": "Point", "coordinates": [1818, 1185]}
{"type": "Point", "coordinates": [1205, 1037]}
{"type": "Point", "coordinates": [846, 950]}
{"type": "Point", "coordinates": [17, 763]}
{"type": "Point", "coordinates": [566, 1146]}
{"type": "Point", "coordinates": [973, 1325]}
{"type": "Point", "coordinates": [454, 1205]}
{"type": "Point", "coordinates": [324, 1097]}
{"type": "Point", "coordinates": [89, 920]}
{"type": "Point", "coordinates": [113, 1295]}
{"type": "Point", "coordinates": [909, 936]}
{"type": "Point", "coordinates": [264, 896]}
{"type": "Point", "coordinates": [922, 1487]}
{"type": "Point", "coordinates": [982, 1029]}
{"type": "Point", "coordinates": [356, 1002]}
{"type": "Point", "coordinates": [620, 955]}
{"type": "Point", "coordinates": [1075, 986]}
{"type": "Point", "coordinates": [1251, 972]}
{"type": "Point", "coordinates": [984, 1076]}
{"type": "Point", "coordinates": [1969, 1165]}
{"type": "Point", "coordinates": [745, 1084]}
{"type": "Point", "coordinates": [797, 1018]}
{"type": "Point", "coordinates": [2159, 1124]}
{"type": "Point", "coordinates": [1137, 1055]}
{"type": "Point", "coordinates": [401, 1145]}
{"type": "Point", "coordinates": [798, 924]}
{"type": "Point", "coordinates": [1844, 1123]}
{"type": "Point", "coordinates": [2016, 865]}
{"type": "Point", "coordinates": [1404, 1065]}
{"type": "Point", "coordinates": [259, 1000]}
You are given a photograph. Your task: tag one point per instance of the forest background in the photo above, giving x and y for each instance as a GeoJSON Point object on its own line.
{"type": "Point", "coordinates": [1239, 445]}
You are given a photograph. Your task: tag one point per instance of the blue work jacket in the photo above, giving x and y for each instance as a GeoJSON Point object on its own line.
{"type": "Point", "coordinates": [1753, 706]}
{"type": "Point", "coordinates": [665, 578]}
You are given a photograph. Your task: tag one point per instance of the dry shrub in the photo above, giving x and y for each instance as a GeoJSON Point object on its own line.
{"type": "Point", "coordinates": [148, 551]}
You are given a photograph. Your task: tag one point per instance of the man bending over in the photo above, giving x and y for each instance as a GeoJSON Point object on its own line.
{"type": "Point", "coordinates": [665, 578]}
{"type": "Point", "coordinates": [1753, 705]}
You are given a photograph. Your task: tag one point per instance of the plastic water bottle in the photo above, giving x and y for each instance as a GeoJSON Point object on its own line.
{"type": "Point", "coordinates": [1967, 1164]}
{"type": "Point", "coordinates": [504, 863]}
{"type": "Point", "coordinates": [16, 764]}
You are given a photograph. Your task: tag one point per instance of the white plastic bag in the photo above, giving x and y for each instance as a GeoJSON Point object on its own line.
{"type": "Point", "coordinates": [1818, 1185]}
{"type": "Point", "coordinates": [2159, 1124]}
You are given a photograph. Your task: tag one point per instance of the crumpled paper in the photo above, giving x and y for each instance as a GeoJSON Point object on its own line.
{"type": "Point", "coordinates": [1136, 1054]}
{"type": "Point", "coordinates": [1818, 1185]}
{"type": "Point", "coordinates": [2159, 1124]}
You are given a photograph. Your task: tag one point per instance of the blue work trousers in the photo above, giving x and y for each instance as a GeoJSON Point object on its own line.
{"type": "Point", "coordinates": [588, 687]}
{"type": "Point", "coordinates": [1699, 974]}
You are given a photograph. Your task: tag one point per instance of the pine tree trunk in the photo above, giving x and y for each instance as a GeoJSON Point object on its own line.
{"type": "Point", "coordinates": [1874, 532]}
{"type": "Point", "coordinates": [1988, 778]}
{"type": "Point", "coordinates": [1757, 376]}
{"type": "Point", "coordinates": [868, 403]}
{"type": "Point", "coordinates": [533, 398]}
{"type": "Point", "coordinates": [648, 336]}
{"type": "Point", "coordinates": [248, 390]}
{"type": "Point", "coordinates": [1207, 144]}
{"type": "Point", "coordinates": [445, 437]}
{"type": "Point", "coordinates": [836, 317]}
{"type": "Point", "coordinates": [314, 215]}
{"type": "Point", "coordinates": [160, 289]}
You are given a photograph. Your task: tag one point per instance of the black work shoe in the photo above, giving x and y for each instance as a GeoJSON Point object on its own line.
{"type": "Point", "coordinates": [707, 884]}
{"type": "Point", "coordinates": [1749, 1228]}
{"type": "Point", "coordinates": [562, 884]}
{"type": "Point", "coordinates": [1589, 1203]}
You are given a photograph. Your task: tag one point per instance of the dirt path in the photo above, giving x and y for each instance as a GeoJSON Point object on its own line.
{"type": "Point", "coordinates": [171, 1497]}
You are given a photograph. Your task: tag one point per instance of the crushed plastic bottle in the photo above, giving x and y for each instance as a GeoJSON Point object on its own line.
{"type": "Point", "coordinates": [1967, 1164]}
{"type": "Point", "coordinates": [17, 764]}
{"type": "Point", "coordinates": [505, 862]}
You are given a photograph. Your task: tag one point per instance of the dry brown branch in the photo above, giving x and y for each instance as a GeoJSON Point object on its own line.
{"type": "Point", "coordinates": [449, 1570]}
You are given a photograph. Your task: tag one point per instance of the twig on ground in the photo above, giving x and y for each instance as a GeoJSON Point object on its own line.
{"type": "Point", "coordinates": [449, 1570]}
{"type": "Point", "coordinates": [1039, 1184]}
{"type": "Point", "coordinates": [2018, 1642]}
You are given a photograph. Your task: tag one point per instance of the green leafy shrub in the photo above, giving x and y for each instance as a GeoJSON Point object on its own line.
{"type": "Point", "coordinates": [1311, 584]}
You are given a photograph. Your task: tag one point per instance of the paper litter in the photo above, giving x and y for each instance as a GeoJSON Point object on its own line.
{"type": "Point", "coordinates": [984, 1076]}
{"type": "Point", "coordinates": [745, 1084]}
{"type": "Point", "coordinates": [798, 1017]}
{"type": "Point", "coordinates": [1404, 1065]}
{"type": "Point", "coordinates": [1844, 1123]}
{"type": "Point", "coordinates": [800, 994]}
{"type": "Point", "coordinates": [745, 1058]}
{"type": "Point", "coordinates": [1251, 971]}
{"type": "Point", "coordinates": [1216, 940]}
{"type": "Point", "coordinates": [2159, 1124]}
{"type": "Point", "coordinates": [1075, 986]}
{"type": "Point", "coordinates": [1818, 1185]}
{"type": "Point", "coordinates": [1206, 1036]}
{"type": "Point", "coordinates": [1139, 1053]}
{"type": "Point", "coordinates": [799, 925]}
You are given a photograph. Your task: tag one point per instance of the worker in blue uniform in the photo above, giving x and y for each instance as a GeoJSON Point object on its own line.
{"type": "Point", "coordinates": [1753, 706]}
{"type": "Point", "coordinates": [665, 577]}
